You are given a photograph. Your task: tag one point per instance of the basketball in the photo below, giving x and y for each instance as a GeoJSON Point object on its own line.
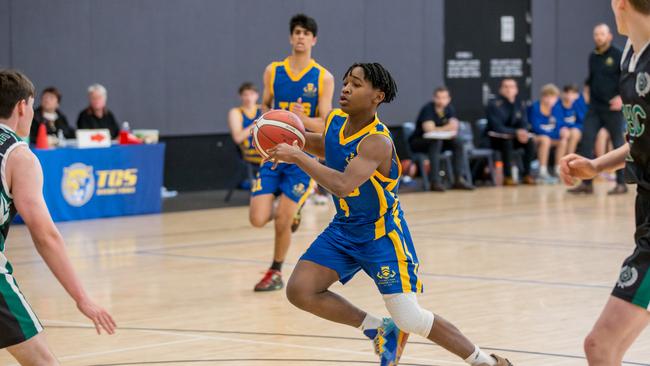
{"type": "Point", "coordinates": [275, 127]}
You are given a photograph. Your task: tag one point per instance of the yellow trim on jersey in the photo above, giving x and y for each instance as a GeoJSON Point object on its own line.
{"type": "Point", "coordinates": [392, 182]}
{"type": "Point", "coordinates": [302, 199]}
{"type": "Point", "coordinates": [401, 261]}
{"type": "Point", "coordinates": [418, 283]}
{"type": "Point", "coordinates": [274, 66]}
{"type": "Point", "coordinates": [333, 113]}
{"type": "Point", "coordinates": [321, 76]}
{"type": "Point", "coordinates": [302, 72]}
{"type": "Point", "coordinates": [344, 140]}
{"type": "Point", "coordinates": [243, 112]}
{"type": "Point", "coordinates": [380, 224]}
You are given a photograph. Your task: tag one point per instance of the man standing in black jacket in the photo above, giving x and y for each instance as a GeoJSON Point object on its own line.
{"type": "Point", "coordinates": [604, 103]}
{"type": "Point", "coordinates": [508, 130]}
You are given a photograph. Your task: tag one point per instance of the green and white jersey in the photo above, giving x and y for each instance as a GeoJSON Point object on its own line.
{"type": "Point", "coordinates": [8, 142]}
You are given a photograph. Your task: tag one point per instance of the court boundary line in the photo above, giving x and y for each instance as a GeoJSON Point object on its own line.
{"type": "Point", "coordinates": [179, 332]}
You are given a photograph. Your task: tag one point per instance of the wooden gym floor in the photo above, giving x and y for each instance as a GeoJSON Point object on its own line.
{"type": "Point", "coordinates": [523, 272]}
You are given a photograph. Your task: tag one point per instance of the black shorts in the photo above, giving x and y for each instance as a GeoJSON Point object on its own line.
{"type": "Point", "coordinates": [633, 284]}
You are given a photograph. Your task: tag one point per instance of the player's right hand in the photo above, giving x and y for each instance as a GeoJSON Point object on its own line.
{"type": "Point", "coordinates": [574, 167]}
{"type": "Point", "coordinates": [100, 317]}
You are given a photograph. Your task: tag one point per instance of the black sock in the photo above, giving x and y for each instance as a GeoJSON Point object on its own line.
{"type": "Point", "coordinates": [276, 266]}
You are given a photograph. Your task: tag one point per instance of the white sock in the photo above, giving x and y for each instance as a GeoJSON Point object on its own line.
{"type": "Point", "coordinates": [480, 358]}
{"type": "Point", "coordinates": [543, 170]}
{"type": "Point", "coordinates": [370, 322]}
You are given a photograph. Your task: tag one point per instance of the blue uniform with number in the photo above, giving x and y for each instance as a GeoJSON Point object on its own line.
{"type": "Point", "coordinates": [572, 117]}
{"type": "Point", "coordinates": [247, 149]}
{"type": "Point", "coordinates": [286, 88]}
{"type": "Point", "coordinates": [368, 232]}
{"type": "Point", "coordinates": [543, 125]}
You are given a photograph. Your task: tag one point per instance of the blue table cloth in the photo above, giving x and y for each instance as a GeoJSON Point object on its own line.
{"type": "Point", "coordinates": [102, 182]}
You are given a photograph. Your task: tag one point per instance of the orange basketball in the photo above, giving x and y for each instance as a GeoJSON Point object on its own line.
{"type": "Point", "coordinates": [275, 127]}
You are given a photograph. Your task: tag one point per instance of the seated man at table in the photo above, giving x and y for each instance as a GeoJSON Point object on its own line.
{"type": "Point", "coordinates": [508, 130]}
{"type": "Point", "coordinates": [546, 119]}
{"type": "Point", "coordinates": [96, 115]}
{"type": "Point", "coordinates": [439, 115]}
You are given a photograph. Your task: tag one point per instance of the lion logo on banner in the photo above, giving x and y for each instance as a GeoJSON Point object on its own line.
{"type": "Point", "coordinates": [78, 184]}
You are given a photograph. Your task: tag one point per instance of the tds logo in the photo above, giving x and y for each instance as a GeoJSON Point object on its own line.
{"type": "Point", "coordinates": [287, 106]}
{"type": "Point", "coordinates": [80, 183]}
{"type": "Point", "coordinates": [116, 181]}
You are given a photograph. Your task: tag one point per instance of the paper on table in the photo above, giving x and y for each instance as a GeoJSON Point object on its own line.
{"type": "Point", "coordinates": [439, 135]}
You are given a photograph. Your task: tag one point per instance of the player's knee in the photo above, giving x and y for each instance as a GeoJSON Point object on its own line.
{"type": "Point", "coordinates": [297, 294]}
{"type": "Point", "coordinates": [597, 349]}
{"type": "Point", "coordinates": [544, 141]}
{"type": "Point", "coordinates": [408, 315]}
{"type": "Point", "coordinates": [283, 221]}
{"type": "Point", "coordinates": [257, 220]}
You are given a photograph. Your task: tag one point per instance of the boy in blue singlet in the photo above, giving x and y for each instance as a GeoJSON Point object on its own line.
{"type": "Point", "coordinates": [369, 231]}
{"type": "Point", "coordinates": [241, 120]}
{"type": "Point", "coordinates": [305, 88]}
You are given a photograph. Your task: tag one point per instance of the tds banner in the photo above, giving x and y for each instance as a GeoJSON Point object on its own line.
{"type": "Point", "coordinates": [104, 182]}
{"type": "Point", "coordinates": [485, 41]}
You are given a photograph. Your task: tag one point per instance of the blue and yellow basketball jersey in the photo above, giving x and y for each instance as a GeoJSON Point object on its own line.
{"type": "Point", "coordinates": [287, 87]}
{"type": "Point", "coordinates": [372, 210]}
{"type": "Point", "coordinates": [248, 150]}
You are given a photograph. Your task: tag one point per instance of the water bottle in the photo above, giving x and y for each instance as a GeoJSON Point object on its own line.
{"type": "Point", "coordinates": [124, 133]}
{"type": "Point", "coordinates": [515, 173]}
{"type": "Point", "coordinates": [61, 138]}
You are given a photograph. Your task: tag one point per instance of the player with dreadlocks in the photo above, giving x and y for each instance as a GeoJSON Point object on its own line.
{"type": "Point", "coordinates": [369, 231]}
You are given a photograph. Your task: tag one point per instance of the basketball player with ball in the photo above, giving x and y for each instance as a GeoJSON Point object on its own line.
{"type": "Point", "coordinates": [369, 231]}
{"type": "Point", "coordinates": [300, 85]}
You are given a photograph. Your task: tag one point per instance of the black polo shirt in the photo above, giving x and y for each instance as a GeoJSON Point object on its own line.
{"type": "Point", "coordinates": [506, 117]}
{"type": "Point", "coordinates": [604, 76]}
{"type": "Point", "coordinates": [428, 113]}
{"type": "Point", "coordinates": [87, 120]}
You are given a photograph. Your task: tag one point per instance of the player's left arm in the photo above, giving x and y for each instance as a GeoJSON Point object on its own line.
{"type": "Point", "coordinates": [373, 151]}
{"type": "Point", "coordinates": [25, 179]}
{"type": "Point", "coordinates": [317, 124]}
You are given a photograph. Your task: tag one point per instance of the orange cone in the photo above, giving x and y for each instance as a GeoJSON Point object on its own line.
{"type": "Point", "coordinates": [41, 137]}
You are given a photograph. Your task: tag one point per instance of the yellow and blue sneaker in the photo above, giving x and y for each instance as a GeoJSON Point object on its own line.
{"type": "Point", "coordinates": [389, 342]}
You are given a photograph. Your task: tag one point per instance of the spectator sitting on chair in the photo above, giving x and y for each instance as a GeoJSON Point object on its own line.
{"type": "Point", "coordinates": [571, 108]}
{"type": "Point", "coordinates": [508, 130]}
{"type": "Point", "coordinates": [48, 113]}
{"type": "Point", "coordinates": [241, 120]}
{"type": "Point", "coordinates": [97, 116]}
{"type": "Point", "coordinates": [549, 130]}
{"type": "Point", "coordinates": [439, 115]}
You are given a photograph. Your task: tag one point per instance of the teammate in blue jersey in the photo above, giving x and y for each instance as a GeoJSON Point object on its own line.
{"type": "Point", "coordinates": [571, 109]}
{"type": "Point", "coordinates": [549, 131]}
{"type": "Point", "coordinates": [304, 87]}
{"type": "Point", "coordinates": [369, 231]}
{"type": "Point", "coordinates": [626, 313]}
{"type": "Point", "coordinates": [241, 120]}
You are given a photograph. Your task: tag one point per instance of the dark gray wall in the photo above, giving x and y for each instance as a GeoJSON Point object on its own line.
{"type": "Point", "coordinates": [175, 65]}
{"type": "Point", "coordinates": [562, 39]}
